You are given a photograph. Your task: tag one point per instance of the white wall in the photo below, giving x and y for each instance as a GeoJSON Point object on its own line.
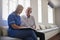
{"type": "Point", "coordinates": [54, 16]}
{"type": "Point", "coordinates": [57, 16]}
{"type": "Point", "coordinates": [44, 11]}
{"type": "Point", "coordinates": [34, 5]}
{"type": "Point", "coordinates": [57, 13]}
{"type": "Point", "coordinates": [0, 11]}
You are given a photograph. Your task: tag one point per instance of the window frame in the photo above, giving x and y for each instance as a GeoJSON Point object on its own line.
{"type": "Point", "coordinates": [40, 11]}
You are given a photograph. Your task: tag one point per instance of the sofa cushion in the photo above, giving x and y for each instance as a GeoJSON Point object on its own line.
{"type": "Point", "coordinates": [42, 27]}
{"type": "Point", "coordinates": [52, 26]}
{"type": "Point", "coordinates": [4, 31]}
{"type": "Point", "coordinates": [1, 33]}
{"type": "Point", "coordinates": [48, 27]}
{"type": "Point", "coordinates": [9, 38]}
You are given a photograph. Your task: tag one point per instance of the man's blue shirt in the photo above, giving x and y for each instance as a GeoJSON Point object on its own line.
{"type": "Point", "coordinates": [13, 18]}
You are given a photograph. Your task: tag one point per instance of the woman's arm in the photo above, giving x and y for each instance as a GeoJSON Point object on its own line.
{"type": "Point", "coordinates": [16, 26]}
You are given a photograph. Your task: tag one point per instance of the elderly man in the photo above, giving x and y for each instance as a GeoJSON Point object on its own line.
{"type": "Point", "coordinates": [15, 28]}
{"type": "Point", "coordinates": [28, 21]}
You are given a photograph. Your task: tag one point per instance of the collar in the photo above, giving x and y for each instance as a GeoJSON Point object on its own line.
{"type": "Point", "coordinates": [27, 17]}
{"type": "Point", "coordinates": [16, 14]}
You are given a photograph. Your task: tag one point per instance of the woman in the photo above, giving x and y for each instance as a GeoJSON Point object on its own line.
{"type": "Point", "coordinates": [15, 28]}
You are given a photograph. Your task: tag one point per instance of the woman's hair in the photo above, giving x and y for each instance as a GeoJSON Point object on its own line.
{"type": "Point", "coordinates": [18, 6]}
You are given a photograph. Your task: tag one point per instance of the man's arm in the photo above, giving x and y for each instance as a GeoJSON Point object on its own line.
{"type": "Point", "coordinates": [34, 25]}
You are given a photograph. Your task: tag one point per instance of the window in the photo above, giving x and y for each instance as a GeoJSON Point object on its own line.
{"type": "Point", "coordinates": [25, 3]}
{"type": "Point", "coordinates": [4, 9]}
{"type": "Point", "coordinates": [8, 6]}
{"type": "Point", "coordinates": [12, 5]}
{"type": "Point", "coordinates": [39, 12]}
{"type": "Point", "coordinates": [50, 15]}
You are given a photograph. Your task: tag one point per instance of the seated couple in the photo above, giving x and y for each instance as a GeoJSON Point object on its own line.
{"type": "Point", "coordinates": [23, 27]}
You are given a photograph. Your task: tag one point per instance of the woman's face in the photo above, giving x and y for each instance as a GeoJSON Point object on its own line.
{"type": "Point", "coordinates": [19, 9]}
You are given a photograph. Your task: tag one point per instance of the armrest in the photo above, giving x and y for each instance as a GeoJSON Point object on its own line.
{"type": "Point", "coordinates": [48, 30]}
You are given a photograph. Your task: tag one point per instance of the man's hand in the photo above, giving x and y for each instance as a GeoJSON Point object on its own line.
{"type": "Point", "coordinates": [33, 27]}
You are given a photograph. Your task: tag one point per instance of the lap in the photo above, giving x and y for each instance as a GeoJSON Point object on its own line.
{"type": "Point", "coordinates": [23, 33]}
{"type": "Point", "coordinates": [39, 33]}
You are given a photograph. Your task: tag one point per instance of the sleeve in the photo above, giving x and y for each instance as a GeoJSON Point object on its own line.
{"type": "Point", "coordinates": [34, 25]}
{"type": "Point", "coordinates": [33, 20]}
{"type": "Point", "coordinates": [11, 20]}
{"type": "Point", "coordinates": [22, 21]}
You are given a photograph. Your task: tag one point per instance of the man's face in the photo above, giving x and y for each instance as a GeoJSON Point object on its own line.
{"type": "Point", "coordinates": [29, 11]}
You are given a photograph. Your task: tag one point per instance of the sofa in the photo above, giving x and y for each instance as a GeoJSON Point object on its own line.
{"type": "Point", "coordinates": [49, 32]}
{"type": "Point", "coordinates": [4, 35]}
